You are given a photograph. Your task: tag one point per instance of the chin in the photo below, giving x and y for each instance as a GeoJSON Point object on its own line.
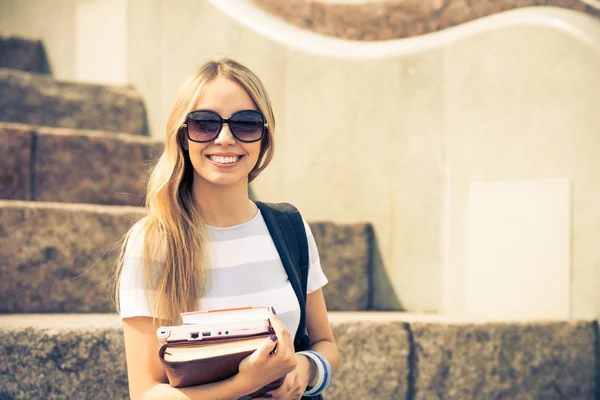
{"type": "Point", "coordinates": [225, 180]}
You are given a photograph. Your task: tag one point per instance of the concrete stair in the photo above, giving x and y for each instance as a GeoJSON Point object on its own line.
{"type": "Point", "coordinates": [384, 356]}
{"type": "Point", "coordinates": [39, 99]}
{"type": "Point", "coordinates": [60, 257]}
{"type": "Point", "coordinates": [72, 165]}
{"type": "Point", "coordinates": [23, 54]}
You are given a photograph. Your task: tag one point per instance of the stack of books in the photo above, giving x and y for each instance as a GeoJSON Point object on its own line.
{"type": "Point", "coordinates": [209, 345]}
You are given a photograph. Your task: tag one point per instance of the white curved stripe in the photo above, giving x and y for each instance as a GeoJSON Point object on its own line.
{"type": "Point", "coordinates": [583, 26]}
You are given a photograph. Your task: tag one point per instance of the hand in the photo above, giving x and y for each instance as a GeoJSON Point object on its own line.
{"type": "Point", "coordinates": [265, 366]}
{"type": "Point", "coordinates": [295, 382]}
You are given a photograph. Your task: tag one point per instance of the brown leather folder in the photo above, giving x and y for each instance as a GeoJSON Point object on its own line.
{"type": "Point", "coordinates": [213, 368]}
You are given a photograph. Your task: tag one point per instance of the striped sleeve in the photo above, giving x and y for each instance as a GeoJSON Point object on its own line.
{"type": "Point", "coordinates": [132, 296]}
{"type": "Point", "coordinates": [316, 277]}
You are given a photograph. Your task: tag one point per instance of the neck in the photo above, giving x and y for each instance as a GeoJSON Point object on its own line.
{"type": "Point", "coordinates": [223, 206]}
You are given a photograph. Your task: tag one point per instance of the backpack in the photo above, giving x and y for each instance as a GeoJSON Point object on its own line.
{"type": "Point", "coordinates": [286, 228]}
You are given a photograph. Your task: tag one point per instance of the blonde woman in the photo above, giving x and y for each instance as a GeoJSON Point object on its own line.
{"type": "Point", "coordinates": [204, 245]}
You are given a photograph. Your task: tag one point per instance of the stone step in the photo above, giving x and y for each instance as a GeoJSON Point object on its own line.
{"type": "Point", "coordinates": [60, 257]}
{"type": "Point", "coordinates": [72, 165]}
{"type": "Point", "coordinates": [383, 356]}
{"type": "Point", "coordinates": [41, 100]}
{"type": "Point", "coordinates": [23, 54]}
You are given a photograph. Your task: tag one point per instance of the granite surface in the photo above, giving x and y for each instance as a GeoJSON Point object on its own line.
{"type": "Point", "coordinates": [92, 167]}
{"type": "Point", "coordinates": [57, 258]}
{"type": "Point", "coordinates": [378, 360]}
{"type": "Point", "coordinates": [553, 360]}
{"type": "Point", "coordinates": [15, 161]}
{"type": "Point", "coordinates": [394, 19]}
{"type": "Point", "coordinates": [86, 363]}
{"type": "Point", "coordinates": [345, 251]}
{"type": "Point", "coordinates": [23, 54]}
{"type": "Point", "coordinates": [38, 99]}
{"type": "Point", "coordinates": [374, 361]}
{"type": "Point", "coordinates": [89, 363]}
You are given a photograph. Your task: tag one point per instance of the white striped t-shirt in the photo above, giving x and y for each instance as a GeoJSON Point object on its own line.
{"type": "Point", "coordinates": [246, 271]}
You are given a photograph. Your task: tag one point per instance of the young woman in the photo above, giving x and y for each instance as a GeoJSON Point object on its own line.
{"type": "Point", "coordinates": [204, 244]}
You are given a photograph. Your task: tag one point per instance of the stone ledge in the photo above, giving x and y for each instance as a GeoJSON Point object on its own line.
{"type": "Point", "coordinates": [57, 257]}
{"type": "Point", "coordinates": [88, 361]}
{"type": "Point", "coordinates": [393, 19]}
{"type": "Point", "coordinates": [83, 355]}
{"type": "Point", "coordinates": [348, 267]}
{"type": "Point", "coordinates": [112, 168]}
{"type": "Point", "coordinates": [37, 99]}
{"type": "Point", "coordinates": [16, 142]}
{"type": "Point", "coordinates": [23, 54]}
{"type": "Point", "coordinates": [540, 360]}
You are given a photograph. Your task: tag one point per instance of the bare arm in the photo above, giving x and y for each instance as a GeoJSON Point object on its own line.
{"type": "Point", "coordinates": [148, 381]}
{"type": "Point", "coordinates": [321, 336]}
{"type": "Point", "coordinates": [147, 378]}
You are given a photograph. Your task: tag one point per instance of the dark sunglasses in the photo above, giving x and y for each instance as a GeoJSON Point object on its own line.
{"type": "Point", "coordinates": [205, 125]}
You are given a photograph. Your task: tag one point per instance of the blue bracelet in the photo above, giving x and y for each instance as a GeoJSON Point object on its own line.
{"type": "Point", "coordinates": [324, 369]}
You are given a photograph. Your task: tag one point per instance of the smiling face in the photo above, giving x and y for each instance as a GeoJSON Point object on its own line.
{"type": "Point", "coordinates": [224, 161]}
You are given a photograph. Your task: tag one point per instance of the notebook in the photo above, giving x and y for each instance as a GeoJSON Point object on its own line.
{"type": "Point", "coordinates": [229, 315]}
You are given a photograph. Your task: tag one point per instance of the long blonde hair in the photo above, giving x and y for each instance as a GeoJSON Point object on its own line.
{"type": "Point", "coordinates": [173, 231]}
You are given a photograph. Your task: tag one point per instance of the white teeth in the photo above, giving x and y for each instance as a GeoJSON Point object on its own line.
{"type": "Point", "coordinates": [224, 160]}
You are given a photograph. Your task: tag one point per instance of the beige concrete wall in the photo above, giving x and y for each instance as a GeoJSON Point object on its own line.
{"type": "Point", "coordinates": [523, 105]}
{"type": "Point", "coordinates": [85, 40]}
{"type": "Point", "coordinates": [397, 133]}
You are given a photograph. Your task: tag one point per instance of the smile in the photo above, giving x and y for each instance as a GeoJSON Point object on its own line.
{"type": "Point", "coordinates": [224, 160]}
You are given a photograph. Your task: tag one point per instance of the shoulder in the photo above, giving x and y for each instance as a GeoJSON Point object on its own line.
{"type": "Point", "coordinates": [136, 234]}
{"type": "Point", "coordinates": [292, 211]}
{"type": "Point", "coordinates": [136, 238]}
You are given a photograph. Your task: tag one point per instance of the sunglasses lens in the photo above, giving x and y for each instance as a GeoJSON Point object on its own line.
{"type": "Point", "coordinates": [203, 126]}
{"type": "Point", "coordinates": [247, 126]}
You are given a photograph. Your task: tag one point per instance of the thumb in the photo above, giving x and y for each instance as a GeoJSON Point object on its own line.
{"type": "Point", "coordinates": [268, 345]}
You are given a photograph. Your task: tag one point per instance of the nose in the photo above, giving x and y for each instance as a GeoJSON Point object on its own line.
{"type": "Point", "coordinates": [225, 137]}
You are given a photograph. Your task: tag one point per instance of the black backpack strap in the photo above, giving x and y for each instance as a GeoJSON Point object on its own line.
{"type": "Point", "coordinates": [286, 227]}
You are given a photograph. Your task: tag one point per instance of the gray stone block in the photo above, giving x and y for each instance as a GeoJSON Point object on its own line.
{"type": "Point", "coordinates": [37, 99]}
{"type": "Point", "coordinates": [92, 167]}
{"type": "Point", "coordinates": [85, 363]}
{"type": "Point", "coordinates": [58, 258]}
{"type": "Point", "coordinates": [15, 161]}
{"type": "Point", "coordinates": [553, 360]}
{"type": "Point", "coordinates": [23, 54]}
{"type": "Point", "coordinates": [82, 356]}
{"type": "Point", "coordinates": [55, 256]}
{"type": "Point", "coordinates": [348, 267]}
{"type": "Point", "coordinates": [374, 361]}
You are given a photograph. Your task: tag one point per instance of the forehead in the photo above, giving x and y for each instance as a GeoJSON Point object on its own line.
{"type": "Point", "coordinates": [225, 97]}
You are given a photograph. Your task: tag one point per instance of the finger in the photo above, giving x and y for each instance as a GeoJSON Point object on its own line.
{"type": "Point", "coordinates": [267, 346]}
{"type": "Point", "coordinates": [277, 392]}
{"type": "Point", "coordinates": [283, 335]}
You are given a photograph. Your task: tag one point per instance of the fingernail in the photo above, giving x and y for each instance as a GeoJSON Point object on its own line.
{"type": "Point", "coordinates": [273, 338]}
{"type": "Point", "coordinates": [268, 395]}
{"type": "Point", "coordinates": [273, 309]}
